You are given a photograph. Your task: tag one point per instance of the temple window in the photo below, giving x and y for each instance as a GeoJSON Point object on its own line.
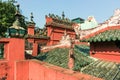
{"type": "Point", "coordinates": [28, 45]}
{"type": "Point", "coordinates": [1, 50]}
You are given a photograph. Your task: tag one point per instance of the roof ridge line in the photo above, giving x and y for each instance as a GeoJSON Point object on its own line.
{"type": "Point", "coordinates": [100, 31]}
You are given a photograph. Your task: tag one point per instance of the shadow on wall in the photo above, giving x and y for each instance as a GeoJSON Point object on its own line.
{"type": "Point", "coordinates": [43, 57]}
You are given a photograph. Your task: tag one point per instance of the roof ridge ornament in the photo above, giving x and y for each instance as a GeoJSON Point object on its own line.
{"type": "Point", "coordinates": [17, 14]}
{"type": "Point", "coordinates": [31, 22]}
{"type": "Point", "coordinates": [63, 15]}
{"type": "Point", "coordinates": [16, 23]}
{"type": "Point", "coordinates": [115, 19]}
{"type": "Point", "coordinates": [16, 30]}
{"type": "Point", "coordinates": [31, 17]}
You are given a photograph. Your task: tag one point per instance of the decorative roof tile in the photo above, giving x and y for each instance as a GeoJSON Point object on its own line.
{"type": "Point", "coordinates": [37, 36]}
{"type": "Point", "coordinates": [103, 69]}
{"type": "Point", "coordinates": [55, 20]}
{"type": "Point", "coordinates": [54, 24]}
{"type": "Point", "coordinates": [78, 20]}
{"type": "Point", "coordinates": [108, 35]}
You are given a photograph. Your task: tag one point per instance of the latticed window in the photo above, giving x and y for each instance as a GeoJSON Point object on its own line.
{"type": "Point", "coordinates": [1, 50]}
{"type": "Point", "coordinates": [28, 45]}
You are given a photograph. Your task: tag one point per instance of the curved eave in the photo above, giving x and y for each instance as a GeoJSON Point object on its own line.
{"type": "Point", "coordinates": [59, 25]}
{"type": "Point", "coordinates": [110, 35]}
{"type": "Point", "coordinates": [38, 37]}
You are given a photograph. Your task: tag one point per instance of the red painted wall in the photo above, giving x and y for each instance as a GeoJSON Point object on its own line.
{"type": "Point", "coordinates": [56, 33]}
{"type": "Point", "coordinates": [42, 71]}
{"type": "Point", "coordinates": [4, 69]}
{"type": "Point", "coordinates": [35, 49]}
{"type": "Point", "coordinates": [106, 51]}
{"type": "Point", "coordinates": [15, 67]}
{"type": "Point", "coordinates": [31, 30]}
{"type": "Point", "coordinates": [35, 42]}
{"type": "Point", "coordinates": [31, 40]}
{"type": "Point", "coordinates": [14, 50]}
{"type": "Point", "coordinates": [22, 70]}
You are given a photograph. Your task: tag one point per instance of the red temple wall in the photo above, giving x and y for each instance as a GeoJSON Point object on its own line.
{"type": "Point", "coordinates": [56, 33]}
{"type": "Point", "coordinates": [15, 67]}
{"type": "Point", "coordinates": [14, 50]}
{"type": "Point", "coordinates": [4, 68]}
{"type": "Point", "coordinates": [22, 70]}
{"type": "Point", "coordinates": [30, 30]}
{"type": "Point", "coordinates": [37, 70]}
{"type": "Point", "coordinates": [30, 40]}
{"type": "Point", "coordinates": [106, 51]}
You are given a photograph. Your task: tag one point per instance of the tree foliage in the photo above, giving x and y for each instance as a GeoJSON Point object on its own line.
{"type": "Point", "coordinates": [7, 16]}
{"type": "Point", "coordinates": [7, 11]}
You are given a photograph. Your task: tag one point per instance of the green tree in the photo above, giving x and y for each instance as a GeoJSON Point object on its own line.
{"type": "Point", "coordinates": [7, 16]}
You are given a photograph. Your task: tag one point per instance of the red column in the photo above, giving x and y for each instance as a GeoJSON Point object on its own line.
{"type": "Point", "coordinates": [35, 49]}
{"type": "Point", "coordinates": [13, 51]}
{"type": "Point", "coordinates": [31, 28]}
{"type": "Point", "coordinates": [13, 48]}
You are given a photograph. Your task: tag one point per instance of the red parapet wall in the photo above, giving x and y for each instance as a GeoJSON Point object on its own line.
{"type": "Point", "coordinates": [22, 70]}
{"type": "Point", "coordinates": [107, 56]}
{"type": "Point", "coordinates": [4, 69]}
{"type": "Point", "coordinates": [37, 70]}
{"type": "Point", "coordinates": [13, 51]}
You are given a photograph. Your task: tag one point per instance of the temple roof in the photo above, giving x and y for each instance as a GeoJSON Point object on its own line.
{"type": "Point", "coordinates": [108, 35]}
{"type": "Point", "coordinates": [54, 24]}
{"type": "Point", "coordinates": [17, 25]}
{"type": "Point", "coordinates": [95, 67]}
{"type": "Point", "coordinates": [103, 69]}
{"type": "Point", "coordinates": [37, 36]}
{"type": "Point", "coordinates": [81, 57]}
{"type": "Point", "coordinates": [58, 21]}
{"type": "Point", "coordinates": [78, 20]}
{"type": "Point", "coordinates": [111, 22]}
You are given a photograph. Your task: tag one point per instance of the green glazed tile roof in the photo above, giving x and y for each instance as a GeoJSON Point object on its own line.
{"type": "Point", "coordinates": [109, 35]}
{"type": "Point", "coordinates": [78, 20]}
{"type": "Point", "coordinates": [103, 69]}
{"type": "Point", "coordinates": [83, 63]}
{"type": "Point", "coordinates": [59, 57]}
{"type": "Point", "coordinates": [37, 36]}
{"type": "Point", "coordinates": [59, 21]}
{"type": "Point", "coordinates": [54, 24]}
